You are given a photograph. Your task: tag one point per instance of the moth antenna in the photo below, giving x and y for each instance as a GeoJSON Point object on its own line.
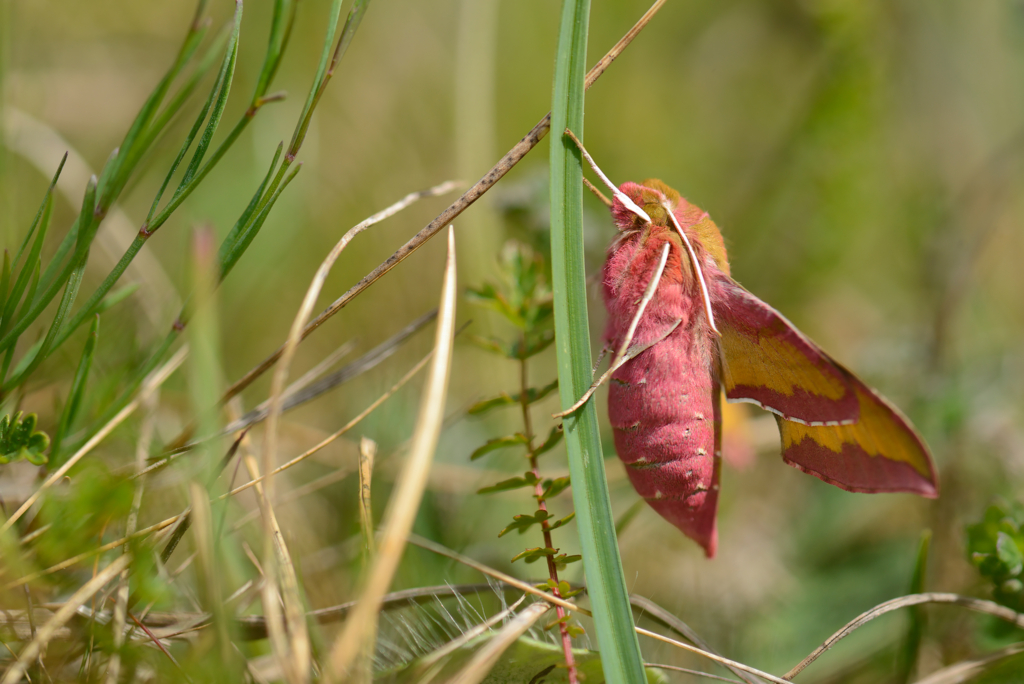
{"type": "Point", "coordinates": [600, 195]}
{"type": "Point", "coordinates": [618, 194]}
{"type": "Point", "coordinates": [623, 354]}
{"type": "Point", "coordinates": [696, 267]}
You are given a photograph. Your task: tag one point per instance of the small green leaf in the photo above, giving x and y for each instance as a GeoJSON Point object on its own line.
{"type": "Point", "coordinates": [1009, 554]}
{"type": "Point", "coordinates": [498, 443]}
{"type": "Point", "coordinates": [503, 399]}
{"type": "Point", "coordinates": [562, 522]}
{"type": "Point", "coordinates": [575, 631]}
{"type": "Point", "coordinates": [554, 437]}
{"type": "Point", "coordinates": [20, 440]}
{"type": "Point", "coordinates": [563, 560]}
{"type": "Point", "coordinates": [535, 554]}
{"type": "Point", "coordinates": [553, 488]}
{"type": "Point", "coordinates": [523, 522]}
{"type": "Point", "coordinates": [528, 480]}
{"type": "Point", "coordinates": [533, 394]}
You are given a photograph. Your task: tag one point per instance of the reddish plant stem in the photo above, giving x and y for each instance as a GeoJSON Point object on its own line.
{"type": "Point", "coordinates": [538, 488]}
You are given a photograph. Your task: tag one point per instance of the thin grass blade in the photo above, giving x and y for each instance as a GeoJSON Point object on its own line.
{"type": "Point", "coordinates": [74, 401]}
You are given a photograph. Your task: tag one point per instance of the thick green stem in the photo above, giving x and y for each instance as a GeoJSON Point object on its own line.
{"type": "Point", "coordinates": [606, 586]}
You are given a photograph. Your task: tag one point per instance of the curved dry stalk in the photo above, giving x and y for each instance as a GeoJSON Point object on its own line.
{"type": "Point", "coordinates": [484, 659]}
{"type": "Point", "coordinates": [60, 618]}
{"type": "Point", "coordinates": [294, 614]}
{"type": "Point", "coordinates": [967, 669]}
{"type": "Point", "coordinates": [408, 492]}
{"type": "Point", "coordinates": [979, 605]}
{"type": "Point", "coordinates": [150, 385]}
{"type": "Point", "coordinates": [497, 172]}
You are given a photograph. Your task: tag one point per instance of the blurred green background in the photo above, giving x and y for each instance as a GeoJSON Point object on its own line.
{"type": "Point", "coordinates": [862, 158]}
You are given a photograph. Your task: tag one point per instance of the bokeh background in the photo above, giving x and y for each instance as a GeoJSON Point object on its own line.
{"type": "Point", "coordinates": [862, 157]}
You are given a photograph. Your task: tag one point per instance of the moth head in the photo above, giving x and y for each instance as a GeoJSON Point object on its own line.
{"type": "Point", "coordinates": [657, 200]}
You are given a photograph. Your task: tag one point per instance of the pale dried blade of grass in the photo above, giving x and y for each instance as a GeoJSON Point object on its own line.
{"type": "Point", "coordinates": [967, 670]}
{"type": "Point", "coordinates": [408, 492]}
{"type": "Point", "coordinates": [298, 652]}
{"type": "Point", "coordinates": [367, 454]}
{"type": "Point", "coordinates": [151, 383]}
{"type": "Point", "coordinates": [61, 617]}
{"type": "Point", "coordinates": [979, 605]}
{"type": "Point", "coordinates": [484, 659]}
{"type": "Point", "coordinates": [497, 172]}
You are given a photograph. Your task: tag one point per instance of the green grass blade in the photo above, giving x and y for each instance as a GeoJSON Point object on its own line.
{"type": "Point", "coordinates": [32, 263]}
{"type": "Point", "coordinates": [280, 32]}
{"type": "Point", "coordinates": [243, 220]}
{"type": "Point", "coordinates": [67, 416]}
{"type": "Point", "coordinates": [613, 619]}
{"type": "Point", "coordinates": [907, 655]}
{"type": "Point", "coordinates": [30, 362]}
{"type": "Point", "coordinates": [218, 100]}
{"type": "Point", "coordinates": [42, 206]}
{"type": "Point", "coordinates": [250, 231]}
{"type": "Point", "coordinates": [137, 139]}
{"type": "Point", "coordinates": [217, 93]}
{"type": "Point", "coordinates": [307, 109]}
{"type": "Point", "coordinates": [5, 280]}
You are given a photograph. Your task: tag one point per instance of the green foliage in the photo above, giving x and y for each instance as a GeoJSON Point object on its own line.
{"type": "Point", "coordinates": [995, 546]}
{"type": "Point", "coordinates": [80, 514]}
{"type": "Point", "coordinates": [19, 440]}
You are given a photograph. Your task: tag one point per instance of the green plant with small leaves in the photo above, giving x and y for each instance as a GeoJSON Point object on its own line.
{"type": "Point", "coordinates": [996, 548]}
{"type": "Point", "coordinates": [523, 298]}
{"type": "Point", "coordinates": [19, 440]}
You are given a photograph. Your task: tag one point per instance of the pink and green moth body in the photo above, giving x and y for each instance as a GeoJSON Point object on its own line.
{"type": "Point", "coordinates": [702, 333]}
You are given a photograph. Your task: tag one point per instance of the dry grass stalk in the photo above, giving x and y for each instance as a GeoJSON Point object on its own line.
{"type": "Point", "coordinates": [979, 605]}
{"type": "Point", "coordinates": [405, 500]}
{"type": "Point", "coordinates": [367, 454]}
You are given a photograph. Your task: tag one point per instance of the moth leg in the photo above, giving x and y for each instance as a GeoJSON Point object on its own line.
{"type": "Point", "coordinates": [626, 352]}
